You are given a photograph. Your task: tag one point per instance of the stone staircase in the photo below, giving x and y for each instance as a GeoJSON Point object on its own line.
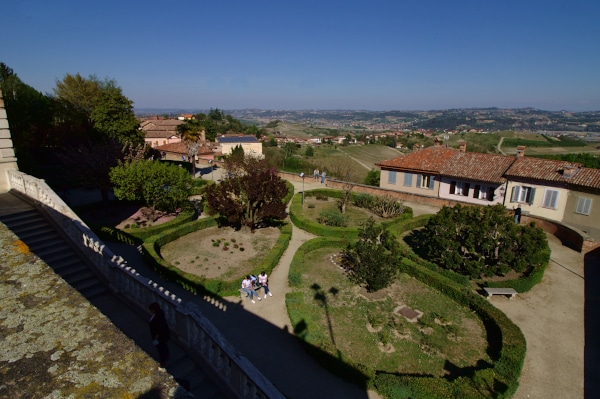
{"type": "Point", "coordinates": [45, 241]}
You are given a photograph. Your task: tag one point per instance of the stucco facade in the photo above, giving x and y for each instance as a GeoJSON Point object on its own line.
{"type": "Point", "coordinates": [249, 144]}
{"type": "Point", "coordinates": [472, 192]}
{"type": "Point", "coordinates": [537, 199]}
{"type": "Point", "coordinates": [410, 182]}
{"type": "Point", "coordinates": [582, 210]}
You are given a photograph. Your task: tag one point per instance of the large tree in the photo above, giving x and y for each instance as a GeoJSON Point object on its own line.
{"type": "Point", "coordinates": [29, 116]}
{"type": "Point", "coordinates": [113, 116]}
{"type": "Point", "coordinates": [162, 187]}
{"type": "Point", "coordinates": [99, 107]}
{"type": "Point", "coordinates": [481, 241]}
{"type": "Point", "coordinates": [371, 260]}
{"type": "Point", "coordinates": [251, 196]}
{"type": "Point", "coordinates": [100, 122]}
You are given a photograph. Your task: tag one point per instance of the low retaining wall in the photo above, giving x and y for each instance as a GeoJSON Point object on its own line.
{"type": "Point", "coordinates": [192, 330]}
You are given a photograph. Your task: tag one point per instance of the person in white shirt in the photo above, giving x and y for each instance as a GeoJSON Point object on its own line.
{"type": "Point", "coordinates": [249, 289]}
{"type": "Point", "coordinates": [263, 281]}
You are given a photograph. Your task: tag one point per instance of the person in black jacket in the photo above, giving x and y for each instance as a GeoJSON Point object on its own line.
{"type": "Point", "coordinates": [159, 329]}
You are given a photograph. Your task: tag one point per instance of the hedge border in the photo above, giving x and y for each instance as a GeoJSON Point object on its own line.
{"type": "Point", "coordinates": [506, 343]}
{"type": "Point", "coordinates": [197, 284]}
{"type": "Point", "coordinates": [349, 233]}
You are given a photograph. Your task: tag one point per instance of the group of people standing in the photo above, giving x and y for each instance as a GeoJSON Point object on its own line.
{"type": "Point", "coordinates": [252, 283]}
{"type": "Point", "coordinates": [316, 175]}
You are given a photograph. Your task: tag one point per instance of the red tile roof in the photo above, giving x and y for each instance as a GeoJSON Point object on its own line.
{"type": "Point", "coordinates": [586, 177]}
{"type": "Point", "coordinates": [539, 169]}
{"type": "Point", "coordinates": [477, 166]}
{"type": "Point", "coordinates": [430, 159]}
{"type": "Point", "coordinates": [181, 148]}
{"type": "Point", "coordinates": [494, 168]}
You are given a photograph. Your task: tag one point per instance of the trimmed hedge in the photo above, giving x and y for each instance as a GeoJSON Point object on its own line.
{"type": "Point", "coordinates": [506, 346]}
{"type": "Point", "coordinates": [506, 343]}
{"type": "Point", "coordinates": [530, 280]}
{"type": "Point", "coordinates": [109, 233]}
{"type": "Point", "coordinates": [348, 233]}
{"type": "Point", "coordinates": [197, 284]}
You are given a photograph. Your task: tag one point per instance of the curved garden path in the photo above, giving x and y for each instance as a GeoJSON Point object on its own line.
{"type": "Point", "coordinates": [551, 317]}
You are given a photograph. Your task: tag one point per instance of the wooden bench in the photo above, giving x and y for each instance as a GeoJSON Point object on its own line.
{"type": "Point", "coordinates": [500, 291]}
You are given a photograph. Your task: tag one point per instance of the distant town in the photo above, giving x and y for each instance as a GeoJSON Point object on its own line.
{"type": "Point", "coordinates": [585, 125]}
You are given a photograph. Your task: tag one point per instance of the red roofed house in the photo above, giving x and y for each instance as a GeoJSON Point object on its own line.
{"type": "Point", "coordinates": [559, 191]}
{"type": "Point", "coordinates": [474, 177]}
{"type": "Point", "coordinates": [416, 173]}
{"type": "Point", "coordinates": [555, 190]}
{"type": "Point", "coordinates": [582, 208]}
{"type": "Point", "coordinates": [160, 131]}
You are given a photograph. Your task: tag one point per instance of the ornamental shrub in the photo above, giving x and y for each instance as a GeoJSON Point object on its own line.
{"type": "Point", "coordinates": [482, 241]}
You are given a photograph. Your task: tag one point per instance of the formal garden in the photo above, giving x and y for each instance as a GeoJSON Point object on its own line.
{"type": "Point", "coordinates": [405, 326]}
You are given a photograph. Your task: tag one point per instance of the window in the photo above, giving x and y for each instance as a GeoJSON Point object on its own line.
{"type": "Point", "coordinates": [459, 188]}
{"type": "Point", "coordinates": [583, 205]}
{"type": "Point", "coordinates": [392, 177]}
{"type": "Point", "coordinates": [489, 193]}
{"type": "Point", "coordinates": [524, 194]}
{"type": "Point", "coordinates": [425, 181]}
{"type": "Point", "coordinates": [483, 192]}
{"type": "Point", "coordinates": [550, 199]}
{"type": "Point", "coordinates": [408, 179]}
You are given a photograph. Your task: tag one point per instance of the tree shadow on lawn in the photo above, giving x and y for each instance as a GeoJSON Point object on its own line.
{"type": "Point", "coordinates": [414, 240]}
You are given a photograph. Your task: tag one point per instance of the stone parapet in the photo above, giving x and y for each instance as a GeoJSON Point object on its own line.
{"type": "Point", "coordinates": [192, 330]}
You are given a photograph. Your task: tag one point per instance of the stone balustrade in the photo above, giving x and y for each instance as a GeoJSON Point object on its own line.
{"type": "Point", "coordinates": [191, 329]}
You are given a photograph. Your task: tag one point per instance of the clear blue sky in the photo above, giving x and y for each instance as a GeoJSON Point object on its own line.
{"type": "Point", "coordinates": [374, 55]}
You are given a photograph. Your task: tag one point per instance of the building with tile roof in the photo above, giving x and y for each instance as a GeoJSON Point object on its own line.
{"type": "Point", "coordinates": [474, 177]}
{"type": "Point", "coordinates": [160, 131]}
{"type": "Point", "coordinates": [416, 173]}
{"type": "Point", "coordinates": [250, 144]}
{"type": "Point", "coordinates": [558, 191]}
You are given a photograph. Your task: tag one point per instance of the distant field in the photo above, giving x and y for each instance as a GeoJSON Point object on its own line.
{"type": "Point", "coordinates": [536, 144]}
{"type": "Point", "coordinates": [360, 159]}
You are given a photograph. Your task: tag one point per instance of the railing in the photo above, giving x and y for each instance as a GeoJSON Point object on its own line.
{"type": "Point", "coordinates": [198, 335]}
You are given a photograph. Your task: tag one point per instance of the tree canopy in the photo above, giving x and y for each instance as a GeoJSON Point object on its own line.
{"type": "Point", "coordinates": [481, 241]}
{"type": "Point", "coordinates": [372, 258]}
{"type": "Point", "coordinates": [251, 196]}
{"type": "Point", "coordinates": [161, 186]}
{"type": "Point", "coordinates": [99, 106]}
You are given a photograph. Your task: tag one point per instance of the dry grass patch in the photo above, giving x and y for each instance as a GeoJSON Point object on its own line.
{"type": "Point", "coordinates": [220, 252]}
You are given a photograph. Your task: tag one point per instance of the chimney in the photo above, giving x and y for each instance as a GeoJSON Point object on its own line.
{"type": "Point", "coordinates": [437, 142]}
{"type": "Point", "coordinates": [416, 147]}
{"type": "Point", "coordinates": [569, 170]}
{"type": "Point", "coordinates": [521, 151]}
{"type": "Point", "coordinates": [462, 146]}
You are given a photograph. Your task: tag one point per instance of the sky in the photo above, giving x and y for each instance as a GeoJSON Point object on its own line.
{"type": "Point", "coordinates": [292, 55]}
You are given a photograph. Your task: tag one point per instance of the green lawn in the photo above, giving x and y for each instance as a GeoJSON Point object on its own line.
{"type": "Point", "coordinates": [361, 328]}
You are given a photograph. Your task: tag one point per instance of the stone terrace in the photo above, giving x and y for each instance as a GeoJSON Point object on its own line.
{"type": "Point", "coordinates": [56, 344]}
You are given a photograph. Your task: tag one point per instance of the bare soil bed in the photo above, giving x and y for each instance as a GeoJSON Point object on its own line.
{"type": "Point", "coordinates": [220, 252]}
